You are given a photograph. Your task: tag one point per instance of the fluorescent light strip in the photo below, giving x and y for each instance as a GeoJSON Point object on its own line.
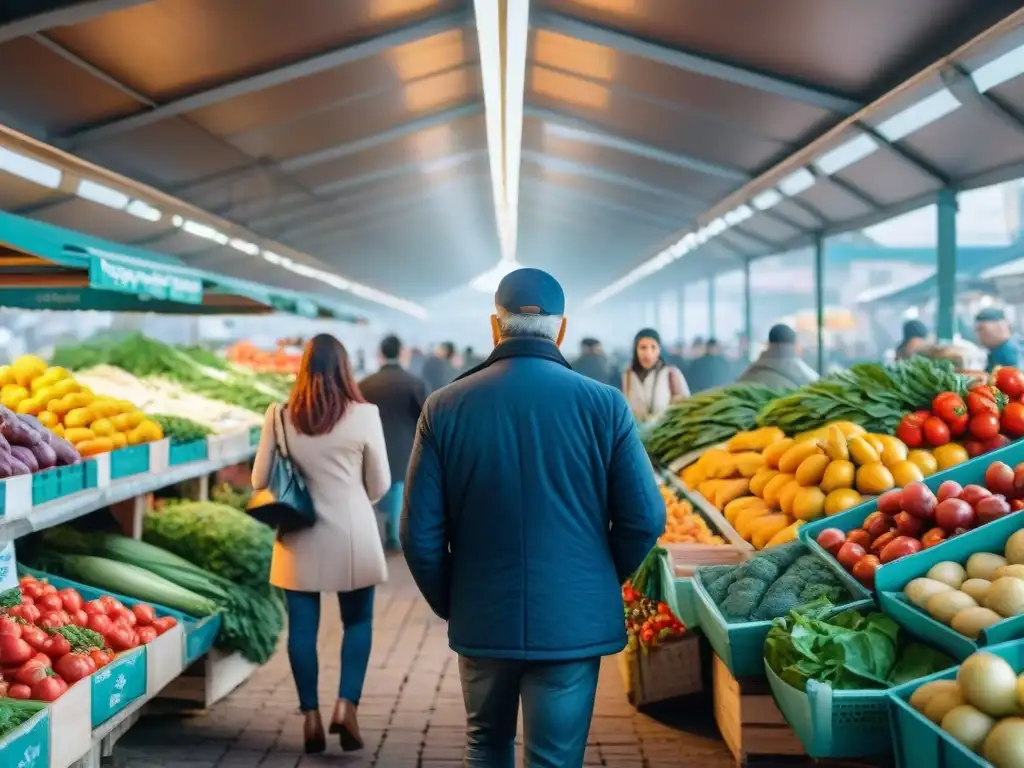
{"type": "Point", "coordinates": [797, 182]}
{"type": "Point", "coordinates": [846, 154]}
{"type": "Point", "coordinates": [30, 169]}
{"type": "Point", "coordinates": [343, 284]}
{"type": "Point", "coordinates": [517, 30]}
{"type": "Point", "coordinates": [918, 115]}
{"type": "Point", "coordinates": [204, 231]}
{"type": "Point", "coordinates": [98, 193]}
{"type": "Point", "coordinates": [143, 211]}
{"type": "Point", "coordinates": [767, 199]}
{"type": "Point", "coordinates": [244, 246]}
{"type": "Point", "coordinates": [999, 70]}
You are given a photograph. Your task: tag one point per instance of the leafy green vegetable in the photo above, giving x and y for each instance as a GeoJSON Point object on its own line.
{"type": "Point", "coordinates": [870, 394]}
{"type": "Point", "coordinates": [16, 712]}
{"type": "Point", "coordinates": [10, 597]}
{"type": "Point", "coordinates": [225, 493]}
{"type": "Point", "coordinates": [180, 429]}
{"type": "Point", "coordinates": [849, 651]}
{"type": "Point", "coordinates": [707, 419]}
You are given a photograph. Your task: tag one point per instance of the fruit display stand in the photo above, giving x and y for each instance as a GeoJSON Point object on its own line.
{"type": "Point", "coordinates": [687, 557]}
{"type": "Point", "coordinates": [670, 670]}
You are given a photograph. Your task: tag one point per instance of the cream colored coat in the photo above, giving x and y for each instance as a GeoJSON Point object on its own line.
{"type": "Point", "coordinates": [346, 472]}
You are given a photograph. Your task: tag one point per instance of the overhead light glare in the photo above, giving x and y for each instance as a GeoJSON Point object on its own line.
{"type": "Point", "coordinates": [177, 220]}
{"type": "Point", "coordinates": [244, 246]}
{"type": "Point", "coordinates": [918, 115]}
{"type": "Point", "coordinates": [846, 154]}
{"type": "Point", "coordinates": [797, 182]}
{"type": "Point", "coordinates": [999, 70]}
{"type": "Point", "coordinates": [205, 231]}
{"type": "Point", "coordinates": [30, 169]}
{"type": "Point", "coordinates": [143, 211]}
{"type": "Point", "coordinates": [489, 280]}
{"type": "Point", "coordinates": [738, 215]}
{"type": "Point", "coordinates": [767, 199]}
{"type": "Point", "coordinates": [99, 193]}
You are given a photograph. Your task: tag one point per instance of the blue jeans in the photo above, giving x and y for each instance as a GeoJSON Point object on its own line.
{"type": "Point", "coordinates": [303, 624]}
{"type": "Point", "coordinates": [391, 507]}
{"type": "Point", "coordinates": [558, 703]}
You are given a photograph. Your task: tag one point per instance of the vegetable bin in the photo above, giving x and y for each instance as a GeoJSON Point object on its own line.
{"type": "Point", "coordinates": [56, 483]}
{"type": "Point", "coordinates": [891, 580]}
{"type": "Point", "coordinates": [969, 472]}
{"type": "Point", "coordinates": [29, 743]}
{"type": "Point", "coordinates": [185, 453]}
{"type": "Point", "coordinates": [835, 723]}
{"type": "Point", "coordinates": [916, 740]}
{"type": "Point", "coordinates": [740, 646]}
{"type": "Point", "coordinates": [127, 462]}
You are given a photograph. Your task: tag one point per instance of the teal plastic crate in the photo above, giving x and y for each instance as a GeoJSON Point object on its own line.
{"type": "Point", "coordinates": [118, 684]}
{"type": "Point", "coordinates": [894, 577]}
{"type": "Point", "coordinates": [686, 597]}
{"type": "Point", "coordinates": [835, 724]}
{"type": "Point", "coordinates": [972, 471]}
{"type": "Point", "coordinates": [917, 741]}
{"type": "Point", "coordinates": [52, 484]}
{"type": "Point", "coordinates": [127, 462]}
{"type": "Point", "coordinates": [29, 743]}
{"type": "Point", "coordinates": [186, 453]}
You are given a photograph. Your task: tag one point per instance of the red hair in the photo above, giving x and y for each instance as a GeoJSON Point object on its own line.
{"type": "Point", "coordinates": [324, 387]}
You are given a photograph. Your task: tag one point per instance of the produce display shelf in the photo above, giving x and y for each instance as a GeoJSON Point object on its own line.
{"type": "Point", "coordinates": [708, 511]}
{"type": "Point", "coordinates": [71, 507]}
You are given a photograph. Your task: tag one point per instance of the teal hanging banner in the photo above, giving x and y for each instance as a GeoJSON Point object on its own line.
{"type": "Point", "coordinates": [111, 272]}
{"type": "Point", "coordinates": [306, 308]}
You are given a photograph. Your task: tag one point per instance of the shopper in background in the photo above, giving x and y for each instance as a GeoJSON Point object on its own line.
{"type": "Point", "coordinates": [336, 441]}
{"type": "Point", "coordinates": [517, 509]}
{"type": "Point", "coordinates": [594, 364]}
{"type": "Point", "coordinates": [439, 370]}
{"type": "Point", "coordinates": [469, 359]}
{"type": "Point", "coordinates": [416, 361]}
{"type": "Point", "coordinates": [399, 396]}
{"type": "Point", "coordinates": [995, 334]}
{"type": "Point", "coordinates": [710, 370]}
{"type": "Point", "coordinates": [676, 355]}
{"type": "Point", "coordinates": [651, 384]}
{"type": "Point", "coordinates": [915, 339]}
{"type": "Point", "coordinates": [780, 365]}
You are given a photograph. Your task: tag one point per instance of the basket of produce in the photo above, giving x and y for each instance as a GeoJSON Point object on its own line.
{"type": "Point", "coordinates": [830, 668]}
{"type": "Point", "coordinates": [737, 604]}
{"type": "Point", "coordinates": [706, 419]}
{"type": "Point", "coordinates": [903, 522]}
{"type": "Point", "coordinates": [965, 717]}
{"type": "Point", "coordinates": [24, 733]}
{"type": "Point", "coordinates": [966, 594]}
{"type": "Point", "coordinates": [696, 535]}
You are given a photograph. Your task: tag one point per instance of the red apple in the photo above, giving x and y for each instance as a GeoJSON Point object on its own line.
{"type": "Point", "coordinates": [891, 502]}
{"type": "Point", "coordinates": [899, 547]}
{"type": "Point", "coordinates": [951, 489]}
{"type": "Point", "coordinates": [849, 554]}
{"type": "Point", "coordinates": [859, 537]}
{"type": "Point", "coordinates": [831, 540]}
{"type": "Point", "coordinates": [919, 501]}
{"type": "Point", "coordinates": [999, 478]}
{"type": "Point", "coordinates": [992, 508]}
{"type": "Point", "coordinates": [954, 513]}
{"type": "Point", "coordinates": [972, 494]}
{"type": "Point", "coordinates": [877, 523]}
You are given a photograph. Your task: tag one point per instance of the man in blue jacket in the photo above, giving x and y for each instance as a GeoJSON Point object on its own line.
{"type": "Point", "coordinates": [528, 501]}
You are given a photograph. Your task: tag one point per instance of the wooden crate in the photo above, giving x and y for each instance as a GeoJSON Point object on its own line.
{"type": "Point", "coordinates": [750, 723]}
{"type": "Point", "coordinates": [661, 673]}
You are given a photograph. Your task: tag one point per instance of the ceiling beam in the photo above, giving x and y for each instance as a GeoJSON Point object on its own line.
{"type": "Point", "coordinates": [584, 131]}
{"type": "Point", "coordinates": [697, 63]}
{"type": "Point", "coordinates": [277, 76]}
{"type": "Point", "coordinates": [597, 201]}
{"type": "Point", "coordinates": [425, 166]}
{"type": "Point", "coordinates": [65, 16]}
{"type": "Point", "coordinates": [560, 165]}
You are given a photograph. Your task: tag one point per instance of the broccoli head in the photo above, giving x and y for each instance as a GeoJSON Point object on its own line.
{"type": "Point", "coordinates": [744, 596]}
{"type": "Point", "coordinates": [721, 579]}
{"type": "Point", "coordinates": [805, 580]}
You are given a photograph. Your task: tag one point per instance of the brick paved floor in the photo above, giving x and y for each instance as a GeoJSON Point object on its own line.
{"type": "Point", "coordinates": [411, 715]}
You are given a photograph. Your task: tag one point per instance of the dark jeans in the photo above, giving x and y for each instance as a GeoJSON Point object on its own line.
{"type": "Point", "coordinates": [558, 703]}
{"type": "Point", "coordinates": [303, 624]}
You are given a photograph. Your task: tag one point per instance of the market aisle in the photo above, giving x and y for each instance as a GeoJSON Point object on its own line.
{"type": "Point", "coordinates": [412, 713]}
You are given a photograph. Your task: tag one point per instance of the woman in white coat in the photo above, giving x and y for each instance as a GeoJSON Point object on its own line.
{"type": "Point", "coordinates": [650, 384]}
{"type": "Point", "coordinates": [336, 440]}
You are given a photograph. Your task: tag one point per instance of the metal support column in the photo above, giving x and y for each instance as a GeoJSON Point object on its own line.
{"type": "Point", "coordinates": [681, 315]}
{"type": "Point", "coordinates": [946, 203]}
{"type": "Point", "coordinates": [711, 307]}
{"type": "Point", "coordinates": [748, 323]}
{"type": "Point", "coordinates": [819, 298]}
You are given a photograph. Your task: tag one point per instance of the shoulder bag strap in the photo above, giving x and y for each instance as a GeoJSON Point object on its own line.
{"type": "Point", "coordinates": [283, 439]}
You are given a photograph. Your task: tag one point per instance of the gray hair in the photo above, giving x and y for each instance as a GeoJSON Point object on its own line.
{"type": "Point", "coordinates": [529, 326]}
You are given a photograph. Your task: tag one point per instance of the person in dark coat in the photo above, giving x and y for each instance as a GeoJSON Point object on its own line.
{"type": "Point", "coordinates": [399, 396]}
{"type": "Point", "coordinates": [710, 370]}
{"type": "Point", "coordinates": [470, 359]}
{"type": "Point", "coordinates": [594, 364]}
{"type": "Point", "coordinates": [529, 500]}
{"type": "Point", "coordinates": [995, 334]}
{"type": "Point", "coordinates": [780, 365]}
{"type": "Point", "coordinates": [915, 339]}
{"type": "Point", "coordinates": [439, 369]}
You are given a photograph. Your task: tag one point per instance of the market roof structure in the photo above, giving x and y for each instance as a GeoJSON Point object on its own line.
{"type": "Point", "coordinates": [355, 141]}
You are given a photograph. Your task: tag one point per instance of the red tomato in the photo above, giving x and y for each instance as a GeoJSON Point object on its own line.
{"type": "Point", "coordinates": [48, 589]}
{"type": "Point", "coordinates": [101, 657]}
{"type": "Point", "coordinates": [74, 666]}
{"type": "Point", "coordinates": [909, 431]}
{"type": "Point", "coordinates": [122, 638]}
{"type": "Point", "coordinates": [1012, 422]}
{"type": "Point", "coordinates": [9, 627]}
{"type": "Point", "coordinates": [72, 601]}
{"type": "Point", "coordinates": [56, 646]}
{"type": "Point", "coordinates": [949, 406]}
{"type": "Point", "coordinates": [124, 616]}
{"type": "Point", "coordinates": [51, 620]}
{"type": "Point", "coordinates": [30, 613]}
{"type": "Point", "coordinates": [80, 618]}
{"type": "Point", "coordinates": [48, 603]}
{"type": "Point", "coordinates": [15, 611]}
{"type": "Point", "coordinates": [146, 634]}
{"type": "Point", "coordinates": [1010, 381]}
{"type": "Point", "coordinates": [47, 689]}
{"type": "Point", "coordinates": [984, 426]}
{"type": "Point", "coordinates": [26, 600]}
{"type": "Point", "coordinates": [864, 570]}
{"type": "Point", "coordinates": [35, 637]}
{"type": "Point", "coordinates": [19, 691]}
{"type": "Point", "coordinates": [144, 614]}
{"type": "Point", "coordinates": [111, 604]}
{"type": "Point", "coordinates": [14, 651]}
{"type": "Point", "coordinates": [33, 590]}
{"type": "Point", "coordinates": [26, 580]}
{"type": "Point", "coordinates": [936, 432]}
{"type": "Point", "coordinates": [164, 623]}
{"type": "Point", "coordinates": [95, 608]}
{"type": "Point", "coordinates": [101, 624]}
{"type": "Point", "coordinates": [31, 672]}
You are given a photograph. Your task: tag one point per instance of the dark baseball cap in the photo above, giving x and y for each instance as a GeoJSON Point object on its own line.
{"type": "Point", "coordinates": [990, 315]}
{"type": "Point", "coordinates": [530, 291]}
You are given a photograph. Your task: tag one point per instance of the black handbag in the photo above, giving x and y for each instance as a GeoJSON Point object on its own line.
{"type": "Point", "coordinates": [285, 503]}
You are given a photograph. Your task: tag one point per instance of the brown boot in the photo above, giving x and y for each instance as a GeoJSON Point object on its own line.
{"type": "Point", "coordinates": [346, 725]}
{"type": "Point", "coordinates": [313, 733]}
